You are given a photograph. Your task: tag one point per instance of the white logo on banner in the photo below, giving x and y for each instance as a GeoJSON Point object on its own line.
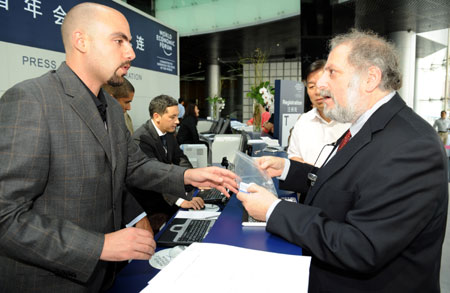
{"type": "Point", "coordinates": [165, 42]}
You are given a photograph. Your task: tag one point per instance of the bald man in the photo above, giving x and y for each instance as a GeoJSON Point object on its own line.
{"type": "Point", "coordinates": [65, 155]}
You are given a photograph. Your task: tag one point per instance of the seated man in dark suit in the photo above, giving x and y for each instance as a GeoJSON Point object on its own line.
{"type": "Point", "coordinates": [157, 140]}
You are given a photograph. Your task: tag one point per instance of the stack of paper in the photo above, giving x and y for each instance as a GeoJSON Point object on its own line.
{"type": "Point", "coordinates": [208, 267]}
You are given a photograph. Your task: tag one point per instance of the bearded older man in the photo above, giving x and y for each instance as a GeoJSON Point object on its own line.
{"type": "Point", "coordinates": [375, 213]}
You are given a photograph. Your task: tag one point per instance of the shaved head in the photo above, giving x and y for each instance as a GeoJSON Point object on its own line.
{"type": "Point", "coordinates": [97, 41]}
{"type": "Point", "coordinates": [83, 17]}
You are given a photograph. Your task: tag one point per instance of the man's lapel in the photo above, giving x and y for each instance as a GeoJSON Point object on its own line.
{"type": "Point", "coordinates": [111, 121]}
{"type": "Point", "coordinates": [155, 136]}
{"type": "Point", "coordinates": [339, 160]}
{"type": "Point", "coordinates": [84, 106]}
{"type": "Point", "coordinates": [376, 122]}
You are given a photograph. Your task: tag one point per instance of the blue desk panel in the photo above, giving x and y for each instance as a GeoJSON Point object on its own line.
{"type": "Point", "coordinates": [227, 229]}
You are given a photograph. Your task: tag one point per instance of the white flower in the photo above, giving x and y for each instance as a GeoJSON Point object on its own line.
{"type": "Point", "coordinates": [263, 90]}
{"type": "Point", "coordinates": [268, 98]}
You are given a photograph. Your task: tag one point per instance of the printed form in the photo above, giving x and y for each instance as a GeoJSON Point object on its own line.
{"type": "Point", "coordinates": [209, 267]}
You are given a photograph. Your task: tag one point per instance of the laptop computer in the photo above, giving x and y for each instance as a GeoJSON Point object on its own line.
{"type": "Point", "coordinates": [212, 196]}
{"type": "Point", "coordinates": [249, 221]}
{"type": "Point", "coordinates": [184, 232]}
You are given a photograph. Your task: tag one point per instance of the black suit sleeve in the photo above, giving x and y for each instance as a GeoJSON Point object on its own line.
{"type": "Point", "coordinates": [297, 177]}
{"type": "Point", "coordinates": [385, 202]}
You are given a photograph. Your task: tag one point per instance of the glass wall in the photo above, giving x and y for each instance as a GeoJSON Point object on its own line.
{"type": "Point", "coordinates": [431, 92]}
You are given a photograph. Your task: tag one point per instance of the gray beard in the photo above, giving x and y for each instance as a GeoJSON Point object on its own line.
{"type": "Point", "coordinates": [351, 112]}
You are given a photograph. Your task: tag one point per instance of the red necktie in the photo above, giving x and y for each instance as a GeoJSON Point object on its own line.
{"type": "Point", "coordinates": [344, 141]}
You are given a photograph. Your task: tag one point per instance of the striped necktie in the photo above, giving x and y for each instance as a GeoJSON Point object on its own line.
{"type": "Point", "coordinates": [164, 141]}
{"type": "Point", "coordinates": [344, 141]}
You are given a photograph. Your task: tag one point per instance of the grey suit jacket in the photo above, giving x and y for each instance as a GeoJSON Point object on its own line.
{"type": "Point", "coordinates": [375, 219]}
{"type": "Point", "coordinates": [61, 180]}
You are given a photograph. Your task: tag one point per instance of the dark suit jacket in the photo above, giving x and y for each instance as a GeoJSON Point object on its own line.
{"type": "Point", "coordinates": [188, 131]}
{"type": "Point", "coordinates": [61, 180]}
{"type": "Point", "coordinates": [375, 219]}
{"type": "Point", "coordinates": [150, 143]}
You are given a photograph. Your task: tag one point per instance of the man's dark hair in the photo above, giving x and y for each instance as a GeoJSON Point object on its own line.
{"type": "Point", "coordinates": [180, 100]}
{"type": "Point", "coordinates": [121, 91]}
{"type": "Point", "coordinates": [316, 65]}
{"type": "Point", "coordinates": [160, 103]}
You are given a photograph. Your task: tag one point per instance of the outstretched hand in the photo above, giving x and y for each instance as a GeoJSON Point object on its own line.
{"type": "Point", "coordinates": [274, 166]}
{"type": "Point", "coordinates": [213, 177]}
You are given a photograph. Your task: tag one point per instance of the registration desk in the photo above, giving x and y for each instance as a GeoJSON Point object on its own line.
{"type": "Point", "coordinates": [226, 230]}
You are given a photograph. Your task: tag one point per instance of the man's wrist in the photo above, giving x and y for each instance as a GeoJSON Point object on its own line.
{"type": "Point", "coordinates": [179, 202]}
{"type": "Point", "coordinates": [271, 208]}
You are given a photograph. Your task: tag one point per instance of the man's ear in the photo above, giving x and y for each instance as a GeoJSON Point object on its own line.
{"type": "Point", "coordinates": [79, 41]}
{"type": "Point", "coordinates": [156, 117]}
{"type": "Point", "coordinates": [373, 79]}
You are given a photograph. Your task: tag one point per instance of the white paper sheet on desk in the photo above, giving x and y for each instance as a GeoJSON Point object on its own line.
{"type": "Point", "coordinates": [197, 215]}
{"type": "Point", "coordinates": [209, 267]}
{"type": "Point", "coordinates": [255, 141]}
{"type": "Point", "coordinates": [270, 141]}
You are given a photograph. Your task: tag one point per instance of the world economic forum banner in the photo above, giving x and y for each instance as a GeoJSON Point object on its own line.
{"type": "Point", "coordinates": [31, 45]}
{"type": "Point", "coordinates": [37, 23]}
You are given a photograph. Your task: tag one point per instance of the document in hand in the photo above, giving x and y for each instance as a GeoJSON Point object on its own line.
{"type": "Point", "coordinates": [209, 267]}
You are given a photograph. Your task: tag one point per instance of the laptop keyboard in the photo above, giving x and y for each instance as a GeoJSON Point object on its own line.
{"type": "Point", "coordinates": [212, 194]}
{"type": "Point", "coordinates": [195, 231]}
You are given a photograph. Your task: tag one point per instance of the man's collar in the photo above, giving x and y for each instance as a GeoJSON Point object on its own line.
{"type": "Point", "coordinates": [356, 127]}
{"type": "Point", "coordinates": [317, 116]}
{"type": "Point", "coordinates": [160, 133]}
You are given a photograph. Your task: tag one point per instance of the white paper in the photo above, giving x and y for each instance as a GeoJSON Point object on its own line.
{"type": "Point", "coordinates": [270, 141]}
{"type": "Point", "coordinates": [255, 141]}
{"type": "Point", "coordinates": [197, 214]}
{"type": "Point", "coordinates": [209, 267]}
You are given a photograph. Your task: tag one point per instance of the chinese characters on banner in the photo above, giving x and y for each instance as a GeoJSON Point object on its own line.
{"type": "Point", "coordinates": [4, 4]}
{"type": "Point", "coordinates": [37, 23]}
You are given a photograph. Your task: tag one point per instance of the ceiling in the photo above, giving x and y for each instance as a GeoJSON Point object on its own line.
{"type": "Point", "coordinates": [400, 15]}
{"type": "Point", "coordinates": [305, 35]}
{"type": "Point", "coordinates": [279, 39]}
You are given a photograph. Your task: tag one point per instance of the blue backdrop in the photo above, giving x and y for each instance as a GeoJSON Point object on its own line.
{"type": "Point", "coordinates": [37, 23]}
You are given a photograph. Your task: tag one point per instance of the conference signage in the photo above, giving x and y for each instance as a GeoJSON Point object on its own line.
{"type": "Point", "coordinates": [37, 23]}
{"type": "Point", "coordinates": [289, 104]}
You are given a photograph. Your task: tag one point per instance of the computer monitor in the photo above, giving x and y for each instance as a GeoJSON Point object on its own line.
{"type": "Point", "coordinates": [225, 145]}
{"type": "Point", "coordinates": [244, 142]}
{"type": "Point", "coordinates": [218, 126]}
{"type": "Point", "coordinates": [196, 153]}
{"type": "Point", "coordinates": [225, 126]}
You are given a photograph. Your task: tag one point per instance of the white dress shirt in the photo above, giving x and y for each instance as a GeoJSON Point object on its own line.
{"type": "Point", "coordinates": [312, 135]}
